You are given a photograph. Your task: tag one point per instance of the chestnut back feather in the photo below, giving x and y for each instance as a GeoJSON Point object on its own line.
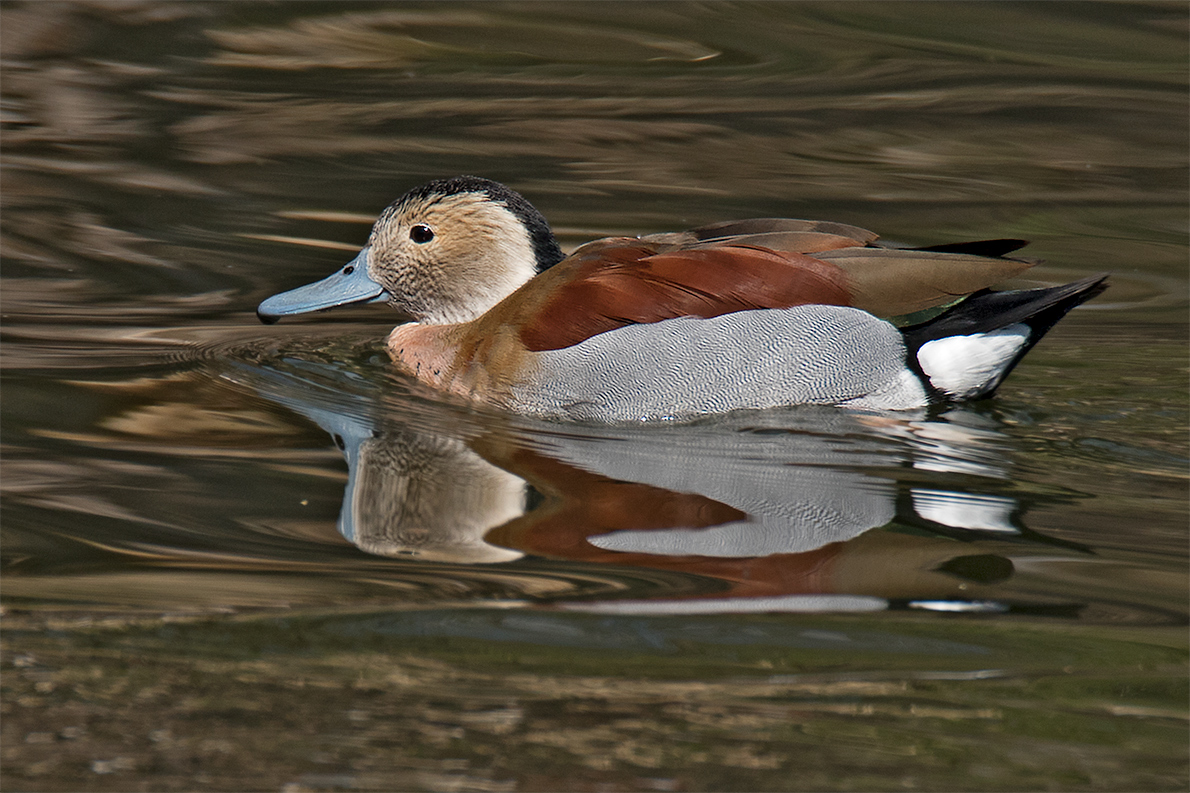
{"type": "Point", "coordinates": [626, 284]}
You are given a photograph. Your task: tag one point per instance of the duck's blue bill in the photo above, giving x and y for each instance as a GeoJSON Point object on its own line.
{"type": "Point", "coordinates": [349, 285]}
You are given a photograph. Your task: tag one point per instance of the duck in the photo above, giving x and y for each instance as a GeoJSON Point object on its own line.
{"type": "Point", "coordinates": [745, 314]}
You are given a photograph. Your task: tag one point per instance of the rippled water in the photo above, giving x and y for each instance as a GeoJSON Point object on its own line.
{"type": "Point", "coordinates": [247, 557]}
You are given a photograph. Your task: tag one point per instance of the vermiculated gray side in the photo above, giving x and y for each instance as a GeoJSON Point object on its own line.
{"type": "Point", "coordinates": [749, 359]}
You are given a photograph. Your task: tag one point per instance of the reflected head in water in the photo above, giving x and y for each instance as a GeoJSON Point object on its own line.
{"type": "Point", "coordinates": [745, 314]}
{"type": "Point", "coordinates": [409, 493]}
{"type": "Point", "coordinates": [428, 497]}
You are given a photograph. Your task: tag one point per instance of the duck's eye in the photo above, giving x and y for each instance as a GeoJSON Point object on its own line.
{"type": "Point", "coordinates": [421, 233]}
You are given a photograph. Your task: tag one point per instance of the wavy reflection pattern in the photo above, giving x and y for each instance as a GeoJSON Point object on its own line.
{"type": "Point", "coordinates": [773, 510]}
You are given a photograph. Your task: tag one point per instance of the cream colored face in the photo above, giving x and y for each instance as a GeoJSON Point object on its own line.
{"type": "Point", "coordinates": [447, 259]}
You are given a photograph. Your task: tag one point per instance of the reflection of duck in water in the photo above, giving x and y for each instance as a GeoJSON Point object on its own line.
{"type": "Point", "coordinates": [414, 494]}
{"type": "Point", "coordinates": [747, 314]}
{"type": "Point", "coordinates": [765, 505]}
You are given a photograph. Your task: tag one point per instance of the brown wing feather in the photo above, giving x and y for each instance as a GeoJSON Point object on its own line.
{"type": "Point", "coordinates": [788, 241]}
{"type": "Point", "coordinates": [892, 282]}
{"type": "Point", "coordinates": [735, 228]}
{"type": "Point", "coordinates": [610, 286]}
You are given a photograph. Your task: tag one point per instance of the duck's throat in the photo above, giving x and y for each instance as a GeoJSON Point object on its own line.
{"type": "Point", "coordinates": [427, 352]}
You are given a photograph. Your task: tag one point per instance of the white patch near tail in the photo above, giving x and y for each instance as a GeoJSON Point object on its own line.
{"type": "Point", "coordinates": [964, 367]}
{"type": "Point", "coordinates": [965, 510]}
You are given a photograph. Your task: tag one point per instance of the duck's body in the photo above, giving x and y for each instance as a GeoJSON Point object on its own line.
{"type": "Point", "coordinates": [749, 314]}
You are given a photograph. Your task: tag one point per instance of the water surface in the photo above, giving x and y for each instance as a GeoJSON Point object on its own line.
{"type": "Point", "coordinates": [247, 557]}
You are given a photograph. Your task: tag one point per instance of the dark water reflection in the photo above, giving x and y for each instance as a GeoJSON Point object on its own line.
{"type": "Point", "coordinates": [993, 597]}
{"type": "Point", "coordinates": [765, 504]}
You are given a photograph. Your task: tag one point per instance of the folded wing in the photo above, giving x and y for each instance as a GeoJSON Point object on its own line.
{"type": "Point", "coordinates": [764, 263]}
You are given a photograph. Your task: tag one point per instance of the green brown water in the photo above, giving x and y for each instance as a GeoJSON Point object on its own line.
{"type": "Point", "coordinates": [239, 557]}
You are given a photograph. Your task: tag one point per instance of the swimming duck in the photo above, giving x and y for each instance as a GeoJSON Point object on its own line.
{"type": "Point", "coordinates": [744, 314]}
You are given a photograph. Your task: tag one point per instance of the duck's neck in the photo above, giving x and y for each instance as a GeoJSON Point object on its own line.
{"type": "Point", "coordinates": [427, 352]}
{"type": "Point", "coordinates": [477, 360]}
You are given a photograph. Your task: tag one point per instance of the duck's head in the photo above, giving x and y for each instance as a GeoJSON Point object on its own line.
{"type": "Point", "coordinates": [443, 252]}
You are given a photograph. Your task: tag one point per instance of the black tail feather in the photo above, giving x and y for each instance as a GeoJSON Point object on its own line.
{"type": "Point", "coordinates": [987, 311]}
{"type": "Point", "coordinates": [992, 248]}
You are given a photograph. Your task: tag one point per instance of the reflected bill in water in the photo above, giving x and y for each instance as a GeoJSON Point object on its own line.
{"type": "Point", "coordinates": [776, 508]}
